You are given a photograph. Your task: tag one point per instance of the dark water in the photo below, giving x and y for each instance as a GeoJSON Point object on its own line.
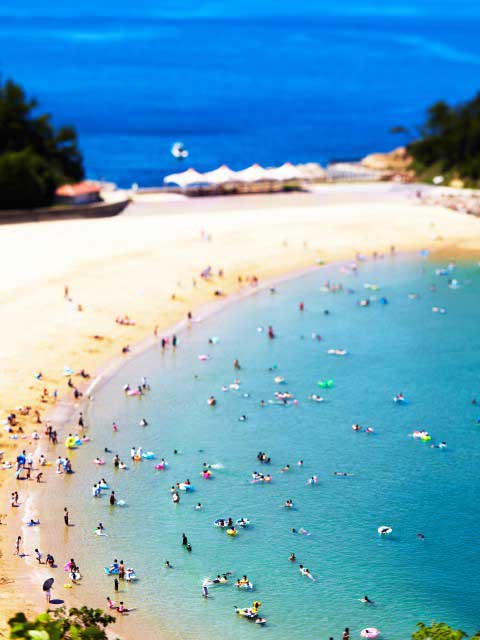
{"type": "Point", "coordinates": [238, 82]}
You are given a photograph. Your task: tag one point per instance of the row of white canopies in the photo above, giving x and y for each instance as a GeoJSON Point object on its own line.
{"type": "Point", "coordinates": [255, 173]}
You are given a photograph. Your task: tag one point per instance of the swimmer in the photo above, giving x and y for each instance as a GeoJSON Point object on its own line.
{"type": "Point", "coordinates": [305, 572]}
{"type": "Point", "coordinates": [143, 423]}
{"type": "Point", "coordinates": [420, 536]}
{"type": "Point", "coordinates": [114, 426]}
{"type": "Point", "coordinates": [366, 600]}
{"type": "Point", "coordinates": [167, 565]}
{"type": "Point", "coordinates": [343, 474]}
{"type": "Point", "coordinates": [292, 557]}
{"type": "Point", "coordinates": [300, 463]}
{"type": "Point", "coordinates": [198, 506]}
{"type": "Point", "coordinates": [111, 603]}
{"type": "Point", "coordinates": [242, 418]}
{"type": "Point", "coordinates": [122, 609]}
{"type": "Point", "coordinates": [288, 504]}
{"type": "Point", "coordinates": [285, 468]}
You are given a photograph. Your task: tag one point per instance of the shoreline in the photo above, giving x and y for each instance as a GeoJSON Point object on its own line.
{"type": "Point", "coordinates": [64, 409]}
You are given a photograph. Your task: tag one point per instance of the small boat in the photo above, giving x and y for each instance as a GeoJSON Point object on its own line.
{"type": "Point", "coordinates": [178, 151]}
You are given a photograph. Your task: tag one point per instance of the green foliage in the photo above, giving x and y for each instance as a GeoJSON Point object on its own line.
{"type": "Point", "coordinates": [439, 631]}
{"type": "Point", "coordinates": [32, 149]}
{"type": "Point", "coordinates": [77, 624]}
{"type": "Point", "coordinates": [26, 180]}
{"type": "Point", "coordinates": [450, 140]}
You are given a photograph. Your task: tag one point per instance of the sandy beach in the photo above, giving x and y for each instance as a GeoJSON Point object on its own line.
{"type": "Point", "coordinates": [146, 264]}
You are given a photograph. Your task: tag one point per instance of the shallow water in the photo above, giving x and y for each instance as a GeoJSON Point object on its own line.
{"type": "Point", "coordinates": [397, 481]}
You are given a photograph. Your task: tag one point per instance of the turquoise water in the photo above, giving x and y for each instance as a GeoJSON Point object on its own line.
{"type": "Point", "coordinates": [398, 481]}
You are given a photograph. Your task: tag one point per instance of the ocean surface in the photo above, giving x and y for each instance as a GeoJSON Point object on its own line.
{"type": "Point", "coordinates": [403, 346]}
{"type": "Point", "coordinates": [238, 82]}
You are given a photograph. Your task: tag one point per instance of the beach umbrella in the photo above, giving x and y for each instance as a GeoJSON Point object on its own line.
{"type": "Point", "coordinates": [48, 584]}
{"type": "Point", "coordinates": [186, 178]}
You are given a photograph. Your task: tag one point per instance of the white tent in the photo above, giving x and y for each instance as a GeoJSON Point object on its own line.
{"type": "Point", "coordinates": [311, 171]}
{"type": "Point", "coordinates": [286, 172]}
{"type": "Point", "coordinates": [221, 175]}
{"type": "Point", "coordinates": [254, 173]}
{"type": "Point", "coordinates": [186, 178]}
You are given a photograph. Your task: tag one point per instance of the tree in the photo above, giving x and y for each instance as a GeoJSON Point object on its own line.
{"type": "Point", "coordinates": [450, 140]}
{"type": "Point", "coordinates": [77, 624]}
{"type": "Point", "coordinates": [31, 148]}
{"type": "Point", "coordinates": [26, 180]}
{"type": "Point", "coordinates": [440, 631]}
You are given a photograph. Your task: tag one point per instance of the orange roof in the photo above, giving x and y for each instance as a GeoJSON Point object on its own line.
{"type": "Point", "coordinates": [78, 189]}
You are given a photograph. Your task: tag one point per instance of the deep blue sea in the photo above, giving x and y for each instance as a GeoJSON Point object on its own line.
{"type": "Point", "coordinates": [239, 81]}
{"type": "Point", "coordinates": [432, 357]}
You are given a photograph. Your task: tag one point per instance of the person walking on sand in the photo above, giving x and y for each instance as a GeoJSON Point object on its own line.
{"type": "Point", "coordinates": [66, 516]}
{"type": "Point", "coordinates": [17, 545]}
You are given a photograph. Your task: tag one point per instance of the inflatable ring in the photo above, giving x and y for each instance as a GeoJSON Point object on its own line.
{"type": "Point", "coordinates": [385, 530]}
